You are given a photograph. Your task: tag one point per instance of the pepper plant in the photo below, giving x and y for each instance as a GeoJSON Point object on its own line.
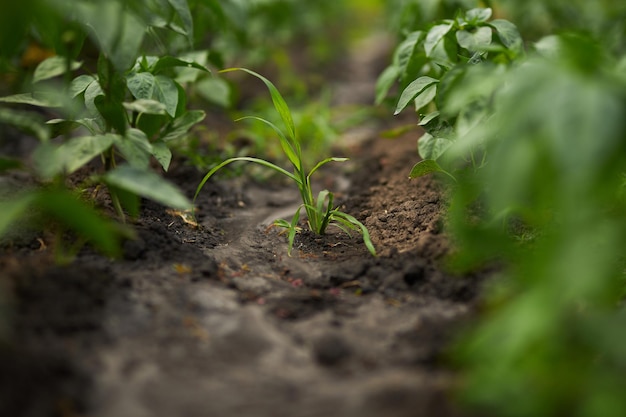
{"type": "Point", "coordinates": [320, 210]}
{"type": "Point", "coordinates": [430, 63]}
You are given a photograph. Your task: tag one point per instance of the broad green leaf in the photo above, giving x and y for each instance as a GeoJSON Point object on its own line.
{"type": "Point", "coordinates": [190, 75]}
{"type": "Point", "coordinates": [147, 184]}
{"type": "Point", "coordinates": [92, 91]}
{"type": "Point", "coordinates": [427, 166]}
{"type": "Point", "coordinates": [215, 90]}
{"type": "Point", "coordinates": [60, 127]}
{"type": "Point", "coordinates": [166, 92]}
{"type": "Point", "coordinates": [30, 122]}
{"type": "Point", "coordinates": [113, 113]}
{"type": "Point", "coordinates": [478, 15]}
{"type": "Point", "coordinates": [384, 82]}
{"type": "Point", "coordinates": [12, 210]}
{"type": "Point", "coordinates": [53, 67]}
{"type": "Point", "coordinates": [403, 53]}
{"type": "Point", "coordinates": [146, 106]}
{"type": "Point", "coordinates": [162, 154]}
{"type": "Point", "coordinates": [141, 85]}
{"type": "Point", "coordinates": [181, 125]}
{"type": "Point", "coordinates": [478, 40]}
{"type": "Point", "coordinates": [80, 84]}
{"type": "Point", "coordinates": [425, 97]}
{"type": "Point", "coordinates": [172, 62]}
{"type": "Point", "coordinates": [78, 151]}
{"type": "Point", "coordinates": [431, 147]}
{"type": "Point", "coordinates": [412, 90]}
{"type": "Point", "coordinates": [435, 36]}
{"type": "Point", "coordinates": [34, 99]}
{"type": "Point", "coordinates": [507, 33]}
{"type": "Point", "coordinates": [182, 9]}
{"type": "Point", "coordinates": [47, 161]}
{"type": "Point", "coordinates": [135, 148]}
{"type": "Point", "coordinates": [104, 234]}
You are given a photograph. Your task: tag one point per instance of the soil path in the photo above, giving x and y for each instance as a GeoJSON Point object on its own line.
{"type": "Point", "coordinates": [219, 321]}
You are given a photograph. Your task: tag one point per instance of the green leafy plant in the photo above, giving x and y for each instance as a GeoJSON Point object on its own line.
{"type": "Point", "coordinates": [429, 64]}
{"type": "Point", "coordinates": [320, 210]}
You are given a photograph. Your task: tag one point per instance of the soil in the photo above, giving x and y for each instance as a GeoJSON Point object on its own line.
{"type": "Point", "coordinates": [217, 320]}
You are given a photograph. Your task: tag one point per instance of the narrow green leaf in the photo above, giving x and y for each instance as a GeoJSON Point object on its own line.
{"type": "Point", "coordinates": [245, 159]}
{"type": "Point", "coordinates": [147, 184]}
{"type": "Point", "coordinates": [293, 229]}
{"type": "Point", "coordinates": [324, 162]}
{"type": "Point", "coordinates": [366, 235]}
{"type": "Point", "coordinates": [412, 90]}
{"type": "Point", "coordinates": [53, 67]}
{"type": "Point", "coordinates": [279, 102]}
{"type": "Point", "coordinates": [284, 142]}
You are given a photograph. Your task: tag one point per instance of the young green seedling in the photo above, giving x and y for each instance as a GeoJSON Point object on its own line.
{"type": "Point", "coordinates": [320, 211]}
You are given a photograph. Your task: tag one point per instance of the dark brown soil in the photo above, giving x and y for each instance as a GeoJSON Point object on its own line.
{"type": "Point", "coordinates": [219, 321]}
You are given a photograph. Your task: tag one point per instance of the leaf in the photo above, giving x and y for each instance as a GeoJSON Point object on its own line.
{"type": "Point", "coordinates": [61, 126]}
{"type": "Point", "coordinates": [113, 112]}
{"type": "Point", "coordinates": [166, 92]}
{"type": "Point", "coordinates": [434, 37]}
{"type": "Point", "coordinates": [53, 67]}
{"type": "Point", "coordinates": [135, 148]}
{"type": "Point", "coordinates": [172, 62]}
{"type": "Point", "coordinates": [425, 167]}
{"type": "Point", "coordinates": [215, 90]}
{"type": "Point", "coordinates": [366, 236]}
{"type": "Point", "coordinates": [478, 40]}
{"type": "Point", "coordinates": [478, 15]}
{"type": "Point", "coordinates": [412, 90]}
{"type": "Point", "coordinates": [7, 164]}
{"type": "Point", "coordinates": [147, 184]}
{"type": "Point", "coordinates": [92, 91]}
{"type": "Point", "coordinates": [80, 84]}
{"type": "Point", "coordinates": [34, 99]}
{"type": "Point", "coordinates": [431, 147]}
{"type": "Point", "coordinates": [182, 9]}
{"type": "Point", "coordinates": [181, 125]}
{"type": "Point", "coordinates": [78, 151]}
{"type": "Point", "coordinates": [162, 153]}
{"type": "Point", "coordinates": [141, 85]}
{"type": "Point", "coordinates": [12, 210]}
{"type": "Point", "coordinates": [146, 106]}
{"type": "Point", "coordinates": [104, 234]}
{"type": "Point", "coordinates": [284, 142]}
{"type": "Point", "coordinates": [324, 162]}
{"type": "Point", "coordinates": [507, 33]}
{"type": "Point", "coordinates": [279, 103]}
{"type": "Point", "coordinates": [30, 122]}
{"type": "Point", "coordinates": [428, 118]}
{"type": "Point", "coordinates": [425, 97]}
{"type": "Point", "coordinates": [385, 81]}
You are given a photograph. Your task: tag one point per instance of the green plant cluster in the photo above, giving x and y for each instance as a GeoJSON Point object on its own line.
{"type": "Point", "coordinates": [534, 136]}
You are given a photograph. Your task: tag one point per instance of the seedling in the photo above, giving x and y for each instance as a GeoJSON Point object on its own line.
{"type": "Point", "coordinates": [320, 211]}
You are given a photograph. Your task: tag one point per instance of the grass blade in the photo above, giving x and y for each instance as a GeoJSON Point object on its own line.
{"type": "Point", "coordinates": [366, 236]}
{"type": "Point", "coordinates": [284, 143]}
